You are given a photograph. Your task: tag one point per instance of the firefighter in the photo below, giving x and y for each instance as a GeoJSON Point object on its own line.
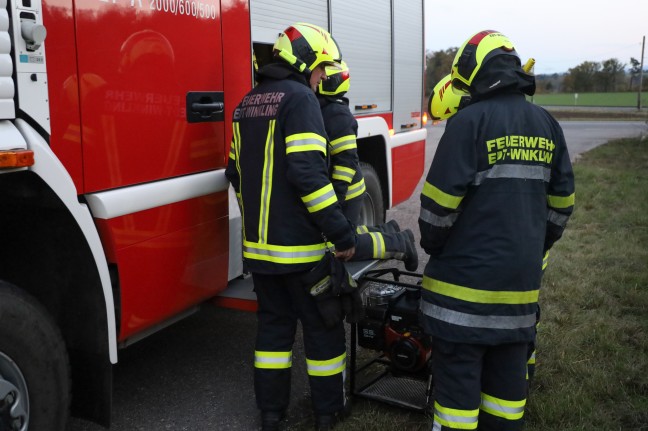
{"type": "Point", "coordinates": [444, 102]}
{"type": "Point", "coordinates": [342, 128]}
{"type": "Point", "coordinates": [497, 196]}
{"type": "Point", "coordinates": [385, 241]}
{"type": "Point", "coordinates": [278, 168]}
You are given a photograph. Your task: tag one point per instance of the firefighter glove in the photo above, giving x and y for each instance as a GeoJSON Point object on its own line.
{"type": "Point", "coordinates": [321, 283]}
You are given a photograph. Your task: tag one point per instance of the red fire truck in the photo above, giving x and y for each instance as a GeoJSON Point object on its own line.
{"type": "Point", "coordinates": [115, 214]}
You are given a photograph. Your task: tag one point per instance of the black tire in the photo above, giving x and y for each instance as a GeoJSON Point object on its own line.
{"type": "Point", "coordinates": [34, 365]}
{"type": "Point", "coordinates": [373, 207]}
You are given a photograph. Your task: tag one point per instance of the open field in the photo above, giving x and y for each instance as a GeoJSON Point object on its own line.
{"type": "Point", "coordinates": [597, 113]}
{"type": "Point", "coordinates": [625, 99]}
{"type": "Point", "coordinates": [594, 106]}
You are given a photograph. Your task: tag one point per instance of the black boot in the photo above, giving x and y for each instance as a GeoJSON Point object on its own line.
{"type": "Point", "coordinates": [326, 422]}
{"type": "Point", "coordinates": [271, 420]}
{"type": "Point", "coordinates": [391, 226]}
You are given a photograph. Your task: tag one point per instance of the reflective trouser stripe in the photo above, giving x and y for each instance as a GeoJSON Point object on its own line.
{"type": "Point", "coordinates": [455, 418]}
{"type": "Point", "coordinates": [355, 190]}
{"type": "Point", "coordinates": [320, 199]}
{"type": "Point", "coordinates": [510, 410]}
{"type": "Point", "coordinates": [328, 367]}
{"type": "Point", "coordinates": [283, 254]}
{"type": "Point", "coordinates": [272, 360]}
{"type": "Point", "coordinates": [343, 173]}
{"type": "Point", "coordinates": [362, 229]}
{"type": "Point", "coordinates": [378, 245]}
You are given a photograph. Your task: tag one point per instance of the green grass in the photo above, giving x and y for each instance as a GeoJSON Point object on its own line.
{"type": "Point", "coordinates": [592, 358]}
{"type": "Point", "coordinates": [593, 340]}
{"type": "Point", "coordinates": [628, 99]}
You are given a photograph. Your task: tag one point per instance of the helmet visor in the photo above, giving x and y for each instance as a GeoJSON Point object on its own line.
{"type": "Point", "coordinates": [460, 88]}
{"type": "Point", "coordinates": [331, 68]}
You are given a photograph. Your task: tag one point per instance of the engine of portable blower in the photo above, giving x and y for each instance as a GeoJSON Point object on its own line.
{"type": "Point", "coordinates": [391, 325]}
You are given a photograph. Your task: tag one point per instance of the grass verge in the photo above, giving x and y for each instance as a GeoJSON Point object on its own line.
{"type": "Point", "coordinates": [593, 340]}
{"type": "Point", "coordinates": [600, 114]}
{"type": "Point", "coordinates": [592, 371]}
{"type": "Point", "coordinates": [621, 99]}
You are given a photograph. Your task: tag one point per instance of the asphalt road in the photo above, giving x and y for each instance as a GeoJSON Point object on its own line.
{"type": "Point", "coordinates": [197, 374]}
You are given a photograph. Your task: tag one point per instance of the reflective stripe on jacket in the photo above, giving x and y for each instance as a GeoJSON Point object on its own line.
{"type": "Point", "coordinates": [342, 128]}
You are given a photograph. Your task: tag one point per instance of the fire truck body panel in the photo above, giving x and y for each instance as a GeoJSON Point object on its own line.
{"type": "Point", "coordinates": [167, 240]}
{"type": "Point", "coordinates": [125, 222]}
{"type": "Point", "coordinates": [146, 64]}
{"type": "Point", "coordinates": [138, 68]}
{"type": "Point", "coordinates": [408, 160]}
{"type": "Point", "coordinates": [65, 138]}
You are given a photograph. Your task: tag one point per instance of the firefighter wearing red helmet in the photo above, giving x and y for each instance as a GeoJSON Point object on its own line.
{"type": "Point", "coordinates": [498, 195]}
{"type": "Point", "coordinates": [278, 168]}
{"type": "Point", "coordinates": [384, 241]}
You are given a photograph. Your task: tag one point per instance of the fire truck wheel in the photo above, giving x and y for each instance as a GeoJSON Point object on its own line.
{"type": "Point", "coordinates": [373, 208]}
{"type": "Point", "coordinates": [34, 367]}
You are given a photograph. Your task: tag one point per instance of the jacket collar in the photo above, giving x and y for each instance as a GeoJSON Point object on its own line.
{"type": "Point", "coordinates": [278, 71]}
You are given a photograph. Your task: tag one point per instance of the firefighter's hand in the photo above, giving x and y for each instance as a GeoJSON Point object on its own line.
{"type": "Point", "coordinates": [345, 255]}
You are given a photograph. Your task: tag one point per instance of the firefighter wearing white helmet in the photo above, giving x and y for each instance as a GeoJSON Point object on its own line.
{"type": "Point", "coordinates": [498, 195]}
{"type": "Point", "coordinates": [278, 169]}
{"type": "Point", "coordinates": [384, 241]}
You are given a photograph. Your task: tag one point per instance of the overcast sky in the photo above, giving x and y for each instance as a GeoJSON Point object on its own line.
{"type": "Point", "coordinates": [559, 34]}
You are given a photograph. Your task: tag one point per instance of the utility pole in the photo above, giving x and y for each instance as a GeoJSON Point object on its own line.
{"type": "Point", "coordinates": [643, 45]}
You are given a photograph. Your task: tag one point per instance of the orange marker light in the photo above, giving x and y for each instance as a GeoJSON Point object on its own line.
{"type": "Point", "coordinates": [16, 158]}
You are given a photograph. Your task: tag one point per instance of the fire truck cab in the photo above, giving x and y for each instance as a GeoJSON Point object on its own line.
{"type": "Point", "coordinates": [115, 213]}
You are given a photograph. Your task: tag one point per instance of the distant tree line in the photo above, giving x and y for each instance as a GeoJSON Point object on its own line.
{"type": "Point", "coordinates": [607, 76]}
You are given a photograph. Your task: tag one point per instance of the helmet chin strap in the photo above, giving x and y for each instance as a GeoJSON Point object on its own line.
{"type": "Point", "coordinates": [294, 61]}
